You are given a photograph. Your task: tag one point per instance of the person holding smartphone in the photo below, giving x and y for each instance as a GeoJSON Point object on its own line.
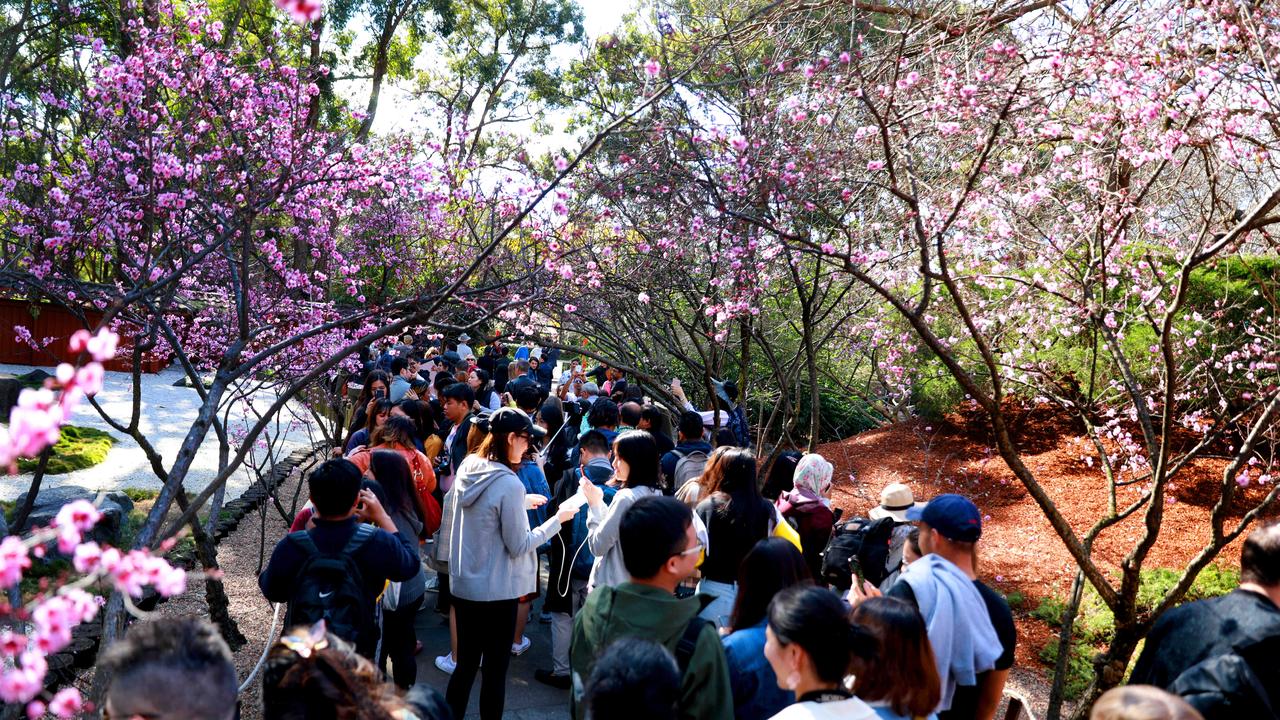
{"type": "Point", "coordinates": [492, 559]}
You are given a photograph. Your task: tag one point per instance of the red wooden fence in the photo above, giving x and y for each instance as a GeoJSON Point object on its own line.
{"type": "Point", "coordinates": [51, 321]}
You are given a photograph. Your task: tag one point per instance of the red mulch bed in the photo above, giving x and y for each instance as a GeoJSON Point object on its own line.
{"type": "Point", "coordinates": [1019, 549]}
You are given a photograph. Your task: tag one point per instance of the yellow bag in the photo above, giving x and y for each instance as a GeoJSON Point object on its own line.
{"type": "Point", "coordinates": [783, 529]}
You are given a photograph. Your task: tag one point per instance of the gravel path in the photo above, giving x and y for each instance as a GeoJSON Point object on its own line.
{"type": "Point", "coordinates": [239, 557]}
{"type": "Point", "coordinates": [167, 415]}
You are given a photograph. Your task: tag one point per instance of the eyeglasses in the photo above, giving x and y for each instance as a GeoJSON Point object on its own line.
{"type": "Point", "coordinates": [697, 548]}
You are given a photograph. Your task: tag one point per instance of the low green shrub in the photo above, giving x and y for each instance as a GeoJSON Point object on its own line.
{"type": "Point", "coordinates": [1096, 625]}
{"type": "Point", "coordinates": [77, 448]}
{"type": "Point", "coordinates": [1079, 667]}
{"type": "Point", "coordinates": [141, 494]}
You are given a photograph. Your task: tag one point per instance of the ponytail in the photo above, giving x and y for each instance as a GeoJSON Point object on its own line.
{"type": "Point", "coordinates": [811, 617]}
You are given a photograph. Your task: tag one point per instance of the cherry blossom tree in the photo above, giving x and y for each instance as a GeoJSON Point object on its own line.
{"type": "Point", "coordinates": [1040, 195]}
{"type": "Point", "coordinates": [38, 626]}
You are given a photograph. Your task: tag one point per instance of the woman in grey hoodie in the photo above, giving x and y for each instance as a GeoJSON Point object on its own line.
{"type": "Point", "coordinates": [492, 561]}
{"type": "Point", "coordinates": [636, 472]}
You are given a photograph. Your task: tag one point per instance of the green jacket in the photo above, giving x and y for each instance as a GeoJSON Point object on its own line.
{"type": "Point", "coordinates": [631, 610]}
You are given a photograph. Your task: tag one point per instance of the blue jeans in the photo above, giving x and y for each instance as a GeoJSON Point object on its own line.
{"type": "Point", "coordinates": [720, 611]}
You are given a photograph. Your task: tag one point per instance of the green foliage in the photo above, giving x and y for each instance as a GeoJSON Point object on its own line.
{"type": "Point", "coordinates": [77, 448]}
{"type": "Point", "coordinates": [840, 415]}
{"type": "Point", "coordinates": [1238, 285]}
{"type": "Point", "coordinates": [936, 395]}
{"type": "Point", "coordinates": [140, 494]}
{"type": "Point", "coordinates": [1079, 667]}
{"type": "Point", "coordinates": [1095, 624]}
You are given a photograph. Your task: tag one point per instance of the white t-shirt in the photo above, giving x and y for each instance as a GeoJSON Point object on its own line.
{"type": "Point", "coordinates": [851, 709]}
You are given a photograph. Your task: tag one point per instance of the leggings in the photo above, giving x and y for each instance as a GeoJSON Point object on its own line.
{"type": "Point", "coordinates": [399, 638]}
{"type": "Point", "coordinates": [484, 632]}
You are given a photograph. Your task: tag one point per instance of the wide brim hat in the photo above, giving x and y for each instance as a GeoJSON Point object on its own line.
{"type": "Point", "coordinates": [464, 337]}
{"type": "Point", "coordinates": [895, 500]}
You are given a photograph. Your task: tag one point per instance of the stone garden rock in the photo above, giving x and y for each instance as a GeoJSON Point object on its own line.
{"type": "Point", "coordinates": [115, 507]}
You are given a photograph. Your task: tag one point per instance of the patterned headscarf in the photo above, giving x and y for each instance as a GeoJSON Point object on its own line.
{"type": "Point", "coordinates": [813, 476]}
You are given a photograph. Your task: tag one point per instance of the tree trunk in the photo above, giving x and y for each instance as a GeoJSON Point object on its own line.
{"type": "Point", "coordinates": [20, 518]}
{"type": "Point", "coordinates": [215, 593]}
{"type": "Point", "coordinates": [1109, 667]}
{"type": "Point", "coordinates": [1054, 710]}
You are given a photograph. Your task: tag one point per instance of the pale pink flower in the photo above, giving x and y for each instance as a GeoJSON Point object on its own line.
{"type": "Point", "coordinates": [13, 560]}
{"type": "Point", "coordinates": [89, 378]}
{"type": "Point", "coordinates": [652, 68]}
{"type": "Point", "coordinates": [66, 703]}
{"type": "Point", "coordinates": [643, 297]}
{"type": "Point", "coordinates": [568, 307]}
{"type": "Point", "coordinates": [103, 345]}
{"type": "Point", "coordinates": [80, 514]}
{"type": "Point", "coordinates": [87, 557]}
{"type": "Point", "coordinates": [874, 165]}
{"type": "Point", "coordinates": [302, 11]}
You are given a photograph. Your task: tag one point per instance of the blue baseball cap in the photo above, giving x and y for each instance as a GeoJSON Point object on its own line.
{"type": "Point", "coordinates": [955, 517]}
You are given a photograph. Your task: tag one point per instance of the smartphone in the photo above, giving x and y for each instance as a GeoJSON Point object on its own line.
{"type": "Point", "coordinates": [379, 393]}
{"type": "Point", "coordinates": [856, 568]}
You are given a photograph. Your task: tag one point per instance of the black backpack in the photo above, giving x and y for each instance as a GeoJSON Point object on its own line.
{"type": "Point", "coordinates": [330, 587]}
{"type": "Point", "coordinates": [862, 538]}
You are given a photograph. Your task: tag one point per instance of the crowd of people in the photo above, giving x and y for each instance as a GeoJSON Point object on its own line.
{"type": "Point", "coordinates": [682, 583]}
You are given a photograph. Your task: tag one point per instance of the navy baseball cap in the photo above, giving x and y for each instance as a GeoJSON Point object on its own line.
{"type": "Point", "coordinates": [955, 517]}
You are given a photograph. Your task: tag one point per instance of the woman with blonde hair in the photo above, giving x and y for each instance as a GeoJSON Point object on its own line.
{"type": "Point", "coordinates": [1142, 702]}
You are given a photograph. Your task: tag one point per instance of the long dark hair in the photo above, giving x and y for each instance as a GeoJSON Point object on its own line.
{"type": "Point", "coordinates": [772, 565]}
{"type": "Point", "coordinates": [731, 475]}
{"type": "Point", "coordinates": [639, 450]}
{"type": "Point", "coordinates": [781, 476]}
{"type": "Point", "coordinates": [395, 431]}
{"type": "Point", "coordinates": [816, 619]}
{"type": "Point", "coordinates": [904, 673]}
{"type": "Point", "coordinates": [366, 392]}
{"type": "Point", "coordinates": [371, 422]}
{"type": "Point", "coordinates": [424, 420]}
{"type": "Point", "coordinates": [391, 471]}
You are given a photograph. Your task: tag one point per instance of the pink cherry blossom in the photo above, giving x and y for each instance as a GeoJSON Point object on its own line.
{"type": "Point", "coordinates": [302, 11]}
{"type": "Point", "coordinates": [13, 560]}
{"type": "Point", "coordinates": [66, 703]}
{"type": "Point", "coordinates": [652, 68]}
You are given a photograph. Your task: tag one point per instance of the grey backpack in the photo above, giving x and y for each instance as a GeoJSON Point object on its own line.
{"type": "Point", "coordinates": [688, 468]}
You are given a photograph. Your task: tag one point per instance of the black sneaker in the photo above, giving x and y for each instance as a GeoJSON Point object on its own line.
{"type": "Point", "coordinates": [546, 677]}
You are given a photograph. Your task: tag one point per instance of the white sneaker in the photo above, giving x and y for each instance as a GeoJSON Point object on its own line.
{"type": "Point", "coordinates": [521, 647]}
{"type": "Point", "coordinates": [446, 664]}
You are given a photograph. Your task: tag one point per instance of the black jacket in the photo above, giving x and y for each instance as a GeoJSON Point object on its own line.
{"type": "Point", "coordinates": [1186, 644]}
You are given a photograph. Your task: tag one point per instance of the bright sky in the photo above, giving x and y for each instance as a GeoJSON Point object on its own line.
{"type": "Point", "coordinates": [397, 107]}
